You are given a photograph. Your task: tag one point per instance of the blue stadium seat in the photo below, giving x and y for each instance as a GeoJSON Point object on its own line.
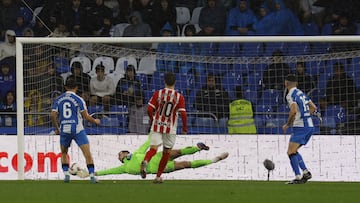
{"type": "Point", "coordinates": [298, 48]}
{"type": "Point", "coordinates": [223, 125]}
{"type": "Point", "coordinates": [230, 81]}
{"type": "Point", "coordinates": [322, 80]}
{"type": "Point", "coordinates": [120, 114]}
{"type": "Point", "coordinates": [143, 78]}
{"type": "Point", "coordinates": [252, 49]}
{"type": "Point", "coordinates": [185, 81]}
{"type": "Point", "coordinates": [311, 29]}
{"type": "Point", "coordinates": [229, 49]}
{"type": "Point", "coordinates": [204, 125]}
{"type": "Point", "coordinates": [262, 114]}
{"type": "Point", "coordinates": [95, 109]}
{"type": "Point", "coordinates": [250, 94]}
{"type": "Point", "coordinates": [271, 97]}
{"type": "Point", "coordinates": [270, 47]}
{"type": "Point", "coordinates": [157, 81]}
{"type": "Point", "coordinates": [316, 94]}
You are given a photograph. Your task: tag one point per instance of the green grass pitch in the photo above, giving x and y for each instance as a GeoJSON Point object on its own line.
{"type": "Point", "coordinates": [173, 191]}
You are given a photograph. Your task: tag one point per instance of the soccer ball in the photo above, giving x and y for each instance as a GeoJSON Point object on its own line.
{"type": "Point", "coordinates": [74, 168]}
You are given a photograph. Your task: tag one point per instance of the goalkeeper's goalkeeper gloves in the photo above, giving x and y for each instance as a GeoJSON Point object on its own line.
{"type": "Point", "coordinates": [318, 114]}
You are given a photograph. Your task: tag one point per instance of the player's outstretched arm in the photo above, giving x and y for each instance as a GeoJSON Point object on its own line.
{"type": "Point", "coordinates": [89, 118]}
{"type": "Point", "coordinates": [55, 122]}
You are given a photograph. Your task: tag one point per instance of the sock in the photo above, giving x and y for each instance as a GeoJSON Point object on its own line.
{"type": "Point", "coordinates": [164, 159]}
{"type": "Point", "coordinates": [149, 154]}
{"type": "Point", "coordinates": [91, 168]}
{"type": "Point", "coordinates": [301, 161]}
{"type": "Point", "coordinates": [294, 163]}
{"type": "Point", "coordinates": [189, 150]}
{"type": "Point", "coordinates": [199, 163]}
{"type": "Point", "coordinates": [65, 167]}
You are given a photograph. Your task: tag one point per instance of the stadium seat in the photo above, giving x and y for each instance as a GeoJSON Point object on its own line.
{"type": "Point", "coordinates": [270, 47]}
{"type": "Point", "coordinates": [147, 65]}
{"type": "Point", "coordinates": [119, 29]}
{"type": "Point", "coordinates": [271, 97]}
{"type": "Point", "coordinates": [223, 125]}
{"type": "Point", "coordinates": [157, 81]}
{"type": "Point", "coordinates": [316, 94]}
{"type": "Point", "coordinates": [311, 29]}
{"type": "Point", "coordinates": [85, 62]}
{"type": "Point", "coordinates": [204, 125]}
{"type": "Point", "coordinates": [252, 49]}
{"type": "Point", "coordinates": [185, 82]}
{"type": "Point", "coordinates": [107, 62]}
{"type": "Point", "coordinates": [120, 113]}
{"type": "Point", "coordinates": [195, 15]}
{"type": "Point", "coordinates": [262, 114]}
{"type": "Point", "coordinates": [298, 48]}
{"type": "Point", "coordinates": [227, 49]}
{"type": "Point", "coordinates": [143, 79]}
{"type": "Point", "coordinates": [183, 15]}
{"type": "Point", "coordinates": [327, 29]}
{"type": "Point", "coordinates": [337, 112]}
{"type": "Point", "coordinates": [230, 81]}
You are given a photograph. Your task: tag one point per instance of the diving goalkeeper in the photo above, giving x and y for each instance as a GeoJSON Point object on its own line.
{"type": "Point", "coordinates": [132, 161]}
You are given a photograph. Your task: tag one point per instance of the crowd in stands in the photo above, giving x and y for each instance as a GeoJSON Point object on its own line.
{"type": "Point", "coordinates": [146, 18]}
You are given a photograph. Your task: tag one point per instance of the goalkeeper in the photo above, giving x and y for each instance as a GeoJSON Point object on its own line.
{"type": "Point", "coordinates": [132, 161]}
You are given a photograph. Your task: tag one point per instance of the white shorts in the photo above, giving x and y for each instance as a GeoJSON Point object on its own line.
{"type": "Point", "coordinates": [168, 140]}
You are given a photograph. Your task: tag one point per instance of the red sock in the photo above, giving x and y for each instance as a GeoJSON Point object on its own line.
{"type": "Point", "coordinates": [164, 159]}
{"type": "Point", "coordinates": [149, 154]}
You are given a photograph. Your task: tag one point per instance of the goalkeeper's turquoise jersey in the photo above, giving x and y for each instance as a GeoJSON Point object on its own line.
{"type": "Point", "coordinates": [132, 166]}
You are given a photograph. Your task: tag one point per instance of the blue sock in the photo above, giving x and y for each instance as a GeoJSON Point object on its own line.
{"type": "Point", "coordinates": [294, 163]}
{"type": "Point", "coordinates": [91, 168]}
{"type": "Point", "coordinates": [301, 161]}
{"type": "Point", "coordinates": [65, 167]}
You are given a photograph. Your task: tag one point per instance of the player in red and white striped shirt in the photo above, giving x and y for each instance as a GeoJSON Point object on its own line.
{"type": "Point", "coordinates": [163, 109]}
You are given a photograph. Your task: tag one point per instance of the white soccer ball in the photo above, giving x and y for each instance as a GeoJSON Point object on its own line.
{"type": "Point", "coordinates": [74, 168]}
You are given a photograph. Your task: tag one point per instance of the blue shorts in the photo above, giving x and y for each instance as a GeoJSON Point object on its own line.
{"type": "Point", "coordinates": [301, 135]}
{"type": "Point", "coordinates": [80, 138]}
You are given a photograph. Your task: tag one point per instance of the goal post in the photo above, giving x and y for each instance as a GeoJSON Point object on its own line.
{"type": "Point", "coordinates": [109, 47]}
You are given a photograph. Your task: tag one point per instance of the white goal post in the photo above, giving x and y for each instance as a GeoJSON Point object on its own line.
{"type": "Point", "coordinates": [21, 41]}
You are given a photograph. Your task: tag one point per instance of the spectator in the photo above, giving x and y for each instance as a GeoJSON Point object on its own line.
{"type": "Point", "coordinates": [96, 15]}
{"type": "Point", "coordinates": [8, 105]}
{"type": "Point", "coordinates": [82, 80]}
{"type": "Point", "coordinates": [137, 28]}
{"type": "Point", "coordinates": [239, 19]}
{"type": "Point", "coordinates": [191, 49]}
{"type": "Point", "coordinates": [9, 11]}
{"type": "Point", "coordinates": [265, 22]}
{"type": "Point", "coordinates": [228, 4]}
{"type": "Point", "coordinates": [138, 118]}
{"type": "Point", "coordinates": [50, 81]}
{"type": "Point", "coordinates": [28, 32]}
{"type": "Point", "coordinates": [212, 98]}
{"type": "Point", "coordinates": [164, 12]}
{"type": "Point", "coordinates": [340, 89]}
{"type": "Point", "coordinates": [19, 26]}
{"type": "Point", "coordinates": [33, 107]}
{"type": "Point", "coordinates": [145, 8]}
{"type": "Point", "coordinates": [168, 48]}
{"type": "Point", "coordinates": [60, 30]}
{"type": "Point", "coordinates": [123, 14]}
{"type": "Point", "coordinates": [107, 28]}
{"type": "Point", "coordinates": [344, 26]}
{"type": "Point", "coordinates": [76, 19]}
{"type": "Point", "coordinates": [275, 73]}
{"type": "Point", "coordinates": [7, 48]}
{"type": "Point", "coordinates": [241, 116]}
{"type": "Point", "coordinates": [102, 88]}
{"type": "Point", "coordinates": [40, 30]}
{"type": "Point", "coordinates": [7, 79]}
{"type": "Point", "coordinates": [285, 21]}
{"type": "Point", "coordinates": [128, 86]}
{"type": "Point", "coordinates": [213, 17]}
{"type": "Point", "coordinates": [310, 12]}
{"type": "Point", "coordinates": [305, 81]}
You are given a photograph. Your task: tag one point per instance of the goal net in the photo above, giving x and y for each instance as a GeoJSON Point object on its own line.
{"type": "Point", "coordinates": [250, 68]}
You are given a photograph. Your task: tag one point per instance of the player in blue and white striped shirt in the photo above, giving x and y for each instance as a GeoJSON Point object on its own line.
{"type": "Point", "coordinates": [301, 109]}
{"type": "Point", "coordinates": [67, 115]}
